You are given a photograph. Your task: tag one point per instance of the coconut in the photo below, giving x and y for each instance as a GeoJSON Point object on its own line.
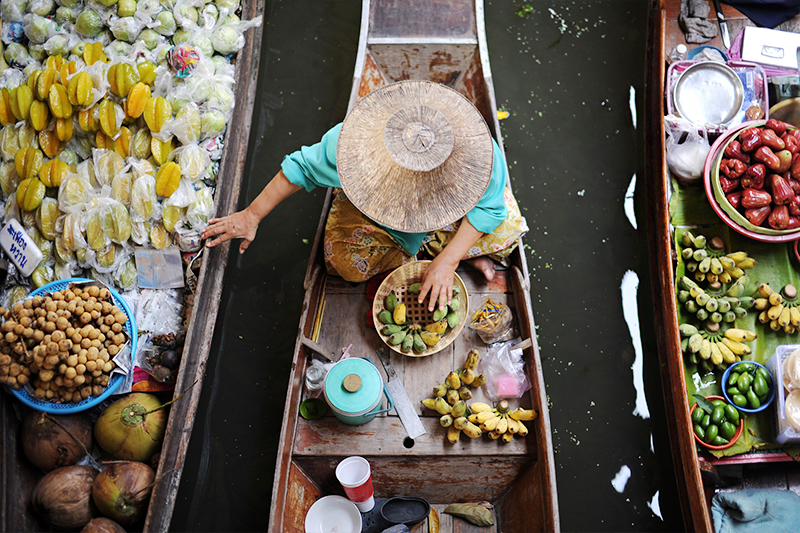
{"type": "Point", "coordinates": [63, 498]}
{"type": "Point", "coordinates": [52, 441]}
{"type": "Point", "coordinates": [132, 427]}
{"type": "Point", "coordinates": [122, 490]}
{"type": "Point", "coordinates": [102, 525]}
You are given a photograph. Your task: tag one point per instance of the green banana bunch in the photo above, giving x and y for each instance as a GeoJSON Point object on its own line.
{"type": "Point", "coordinates": [714, 307]}
{"type": "Point", "coordinates": [711, 348]}
{"type": "Point", "coordinates": [708, 261]}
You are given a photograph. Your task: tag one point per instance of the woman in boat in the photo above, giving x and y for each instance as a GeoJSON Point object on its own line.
{"type": "Point", "coordinates": [416, 173]}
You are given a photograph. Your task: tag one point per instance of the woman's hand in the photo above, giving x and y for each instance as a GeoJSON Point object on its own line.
{"type": "Point", "coordinates": [240, 225]}
{"type": "Point", "coordinates": [438, 279]}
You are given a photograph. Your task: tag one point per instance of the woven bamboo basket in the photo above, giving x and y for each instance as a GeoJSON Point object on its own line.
{"type": "Point", "coordinates": [400, 280]}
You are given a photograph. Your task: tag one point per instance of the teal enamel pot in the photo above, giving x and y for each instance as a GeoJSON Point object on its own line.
{"type": "Point", "coordinates": [353, 389]}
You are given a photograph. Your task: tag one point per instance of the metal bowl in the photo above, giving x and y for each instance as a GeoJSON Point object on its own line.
{"type": "Point", "coordinates": [709, 94]}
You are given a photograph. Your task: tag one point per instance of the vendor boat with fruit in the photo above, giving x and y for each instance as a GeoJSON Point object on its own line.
{"type": "Point", "coordinates": [454, 444]}
{"type": "Point", "coordinates": [724, 265]}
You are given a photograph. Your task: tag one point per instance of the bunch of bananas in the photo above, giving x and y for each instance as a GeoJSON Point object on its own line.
{"type": "Point", "coordinates": [711, 347]}
{"type": "Point", "coordinates": [415, 336]}
{"type": "Point", "coordinates": [715, 307]}
{"type": "Point", "coordinates": [450, 399]}
{"type": "Point", "coordinates": [778, 309]}
{"type": "Point", "coordinates": [708, 261]}
{"type": "Point", "coordinates": [500, 422]}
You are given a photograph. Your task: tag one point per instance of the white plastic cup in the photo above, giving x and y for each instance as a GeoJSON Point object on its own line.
{"type": "Point", "coordinates": [355, 475]}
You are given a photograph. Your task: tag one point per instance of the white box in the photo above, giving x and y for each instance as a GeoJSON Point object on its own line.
{"type": "Point", "coordinates": [770, 47]}
{"type": "Point", "coordinates": [20, 247]}
{"type": "Point", "coordinates": [783, 432]}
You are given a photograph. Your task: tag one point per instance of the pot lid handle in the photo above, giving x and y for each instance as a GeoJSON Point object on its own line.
{"type": "Point", "coordinates": [351, 383]}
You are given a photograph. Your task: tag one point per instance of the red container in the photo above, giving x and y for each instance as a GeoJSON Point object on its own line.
{"type": "Point", "coordinates": [733, 439]}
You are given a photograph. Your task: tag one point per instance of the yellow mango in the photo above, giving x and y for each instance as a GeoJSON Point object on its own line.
{"type": "Point", "coordinates": [137, 99]}
{"type": "Point", "coordinates": [64, 129]}
{"type": "Point", "coordinates": [160, 150]}
{"type": "Point", "coordinates": [30, 193]}
{"type": "Point", "coordinates": [59, 103]}
{"type": "Point", "coordinates": [121, 77]}
{"type": "Point", "coordinates": [39, 115]}
{"type": "Point", "coordinates": [156, 112]}
{"type": "Point", "coordinates": [79, 90]}
{"type": "Point", "coordinates": [53, 172]}
{"type": "Point", "coordinates": [168, 178]}
{"type": "Point", "coordinates": [93, 52]}
{"type": "Point", "coordinates": [6, 115]}
{"type": "Point", "coordinates": [28, 161]}
{"type": "Point", "coordinates": [46, 78]}
{"type": "Point", "coordinates": [48, 141]}
{"type": "Point", "coordinates": [21, 98]}
{"type": "Point", "coordinates": [109, 122]}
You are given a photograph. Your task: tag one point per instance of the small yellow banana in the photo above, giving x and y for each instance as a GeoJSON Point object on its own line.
{"type": "Point", "coordinates": [705, 349]}
{"type": "Point", "coordinates": [775, 311]}
{"type": "Point", "coordinates": [453, 434]}
{"type": "Point", "coordinates": [736, 347]}
{"type": "Point", "coordinates": [737, 257]}
{"type": "Point", "coordinates": [430, 403]}
{"type": "Point", "coordinates": [523, 430]}
{"type": "Point", "coordinates": [506, 437]}
{"type": "Point", "coordinates": [725, 277]}
{"type": "Point", "coordinates": [785, 318]}
{"type": "Point", "coordinates": [527, 414]}
{"type": "Point", "coordinates": [460, 422]}
{"type": "Point", "coordinates": [484, 416]}
{"type": "Point", "coordinates": [446, 421]}
{"type": "Point", "coordinates": [502, 426]}
{"type": "Point", "coordinates": [491, 424]}
{"type": "Point", "coordinates": [513, 426]}
{"type": "Point", "coordinates": [765, 290]}
{"type": "Point", "coordinates": [741, 335]}
{"type": "Point", "coordinates": [442, 407]}
{"type": "Point", "coordinates": [472, 431]}
{"type": "Point", "coordinates": [479, 407]}
{"type": "Point", "coordinates": [794, 315]}
{"type": "Point", "coordinates": [759, 304]}
{"type": "Point", "coordinates": [727, 355]}
{"type": "Point", "coordinates": [493, 435]}
{"type": "Point", "coordinates": [747, 263]}
{"type": "Point", "coordinates": [716, 354]}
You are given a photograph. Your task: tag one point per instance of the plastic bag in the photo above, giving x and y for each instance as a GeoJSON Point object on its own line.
{"type": "Point", "coordinates": [687, 149]}
{"type": "Point", "coordinates": [504, 369]}
{"type": "Point", "coordinates": [493, 322]}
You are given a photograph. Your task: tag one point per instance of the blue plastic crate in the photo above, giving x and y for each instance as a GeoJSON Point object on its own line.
{"type": "Point", "coordinates": [113, 384]}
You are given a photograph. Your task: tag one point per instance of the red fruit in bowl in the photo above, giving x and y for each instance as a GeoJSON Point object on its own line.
{"type": "Point", "coordinates": [795, 168]}
{"type": "Point", "coordinates": [757, 215]}
{"type": "Point", "coordinates": [765, 155]}
{"type": "Point", "coordinates": [749, 139]}
{"type": "Point", "coordinates": [755, 198]}
{"type": "Point", "coordinates": [792, 143]}
{"type": "Point", "coordinates": [734, 151]}
{"type": "Point", "coordinates": [735, 199]}
{"type": "Point", "coordinates": [778, 126]}
{"type": "Point", "coordinates": [794, 207]}
{"type": "Point", "coordinates": [779, 218]}
{"type": "Point", "coordinates": [785, 157]}
{"type": "Point", "coordinates": [728, 185]}
{"type": "Point", "coordinates": [732, 168]}
{"type": "Point", "coordinates": [794, 223]}
{"type": "Point", "coordinates": [755, 176]}
{"type": "Point", "coordinates": [782, 193]}
{"type": "Point", "coordinates": [771, 139]}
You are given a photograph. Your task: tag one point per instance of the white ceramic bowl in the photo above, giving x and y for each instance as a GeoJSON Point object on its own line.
{"type": "Point", "coordinates": [333, 514]}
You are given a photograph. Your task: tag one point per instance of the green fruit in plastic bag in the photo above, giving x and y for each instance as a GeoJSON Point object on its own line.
{"type": "Point", "coordinates": [58, 45]}
{"type": "Point", "coordinates": [186, 15]}
{"type": "Point", "coordinates": [42, 275]}
{"type": "Point", "coordinates": [127, 276]}
{"type": "Point", "coordinates": [80, 255]}
{"type": "Point", "coordinates": [89, 25]}
{"type": "Point", "coordinates": [71, 234]}
{"type": "Point", "coordinates": [108, 3]}
{"type": "Point", "coordinates": [231, 5]}
{"type": "Point", "coordinates": [15, 51]}
{"type": "Point", "coordinates": [126, 8]}
{"type": "Point", "coordinates": [159, 237]}
{"type": "Point", "coordinates": [120, 48]}
{"type": "Point", "coordinates": [181, 36]}
{"type": "Point", "coordinates": [68, 3]}
{"type": "Point", "coordinates": [66, 14]}
{"type": "Point", "coordinates": [9, 179]}
{"type": "Point", "coordinates": [118, 223]}
{"type": "Point", "coordinates": [140, 232]}
{"type": "Point", "coordinates": [170, 217]}
{"type": "Point", "coordinates": [121, 188]}
{"type": "Point", "coordinates": [189, 118]}
{"type": "Point", "coordinates": [150, 38]}
{"type": "Point", "coordinates": [140, 144]}
{"type": "Point", "coordinates": [227, 39]}
{"type": "Point", "coordinates": [107, 255]}
{"type": "Point", "coordinates": [61, 251]}
{"type": "Point", "coordinates": [167, 24]}
{"type": "Point", "coordinates": [9, 142]}
{"type": "Point", "coordinates": [39, 29]}
{"type": "Point", "coordinates": [203, 43]}
{"type": "Point", "coordinates": [212, 124]}
{"type": "Point", "coordinates": [46, 216]}
{"type": "Point", "coordinates": [95, 236]}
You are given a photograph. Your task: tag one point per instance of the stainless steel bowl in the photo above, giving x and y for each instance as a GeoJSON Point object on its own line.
{"type": "Point", "coordinates": [709, 94]}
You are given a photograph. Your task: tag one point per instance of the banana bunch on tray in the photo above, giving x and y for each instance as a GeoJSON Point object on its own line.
{"type": "Point", "coordinates": [707, 261]}
{"type": "Point", "coordinates": [779, 309]}
{"type": "Point", "coordinates": [709, 347]}
{"type": "Point", "coordinates": [501, 422]}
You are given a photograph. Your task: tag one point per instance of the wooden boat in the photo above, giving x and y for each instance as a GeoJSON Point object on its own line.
{"type": "Point", "coordinates": [16, 474]}
{"type": "Point", "coordinates": [699, 475]}
{"type": "Point", "coordinates": [442, 41]}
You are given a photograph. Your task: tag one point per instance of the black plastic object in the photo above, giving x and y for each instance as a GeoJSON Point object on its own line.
{"type": "Point", "coordinates": [388, 512]}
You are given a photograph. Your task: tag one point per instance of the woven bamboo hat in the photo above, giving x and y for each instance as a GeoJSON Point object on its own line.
{"type": "Point", "coordinates": [414, 156]}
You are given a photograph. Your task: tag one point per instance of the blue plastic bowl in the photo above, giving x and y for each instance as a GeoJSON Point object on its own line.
{"type": "Point", "coordinates": [770, 395]}
{"type": "Point", "coordinates": [694, 52]}
{"type": "Point", "coordinates": [129, 327]}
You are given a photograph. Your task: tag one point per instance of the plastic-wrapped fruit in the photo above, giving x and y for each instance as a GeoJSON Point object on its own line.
{"type": "Point", "coordinates": [111, 116]}
{"type": "Point", "coordinates": [150, 38]}
{"type": "Point", "coordinates": [193, 161]}
{"type": "Point", "coordinates": [59, 102]}
{"type": "Point", "coordinates": [9, 142]}
{"type": "Point", "coordinates": [42, 275]}
{"type": "Point", "coordinates": [73, 191]}
{"type": "Point", "coordinates": [137, 98]}
{"type": "Point", "coordinates": [159, 237]}
{"type": "Point", "coordinates": [122, 144]}
{"type": "Point", "coordinates": [96, 238]}
{"type": "Point", "coordinates": [9, 179]}
{"type": "Point", "coordinates": [188, 123]}
{"type": "Point", "coordinates": [143, 167]}
{"type": "Point", "coordinates": [89, 25]}
{"type": "Point", "coordinates": [51, 145]}
{"type": "Point", "coordinates": [64, 129]}
{"type": "Point", "coordinates": [87, 119]}
{"type": "Point", "coordinates": [140, 232]}
{"type": "Point", "coordinates": [170, 217]}
{"type": "Point", "coordinates": [143, 198]}
{"type": "Point", "coordinates": [140, 145]}
{"type": "Point", "coordinates": [167, 25]}
{"type": "Point", "coordinates": [6, 114]}
{"type": "Point", "coordinates": [121, 188]}
{"type": "Point", "coordinates": [127, 275]}
{"type": "Point", "coordinates": [39, 115]}
{"type": "Point", "coordinates": [80, 88]}
{"type": "Point", "coordinates": [106, 256]}
{"type": "Point", "coordinates": [107, 165]}
{"type": "Point", "coordinates": [27, 136]}
{"type": "Point", "coordinates": [156, 112]}
{"type": "Point", "coordinates": [28, 161]}
{"type": "Point", "coordinates": [30, 193]}
{"type": "Point", "coordinates": [168, 178]}
{"type": "Point", "coordinates": [160, 150]}
{"type": "Point", "coordinates": [72, 234]}
{"type": "Point", "coordinates": [46, 216]}
{"type": "Point", "coordinates": [53, 172]}
{"type": "Point", "coordinates": [121, 77]}
{"type": "Point", "coordinates": [45, 246]}
{"type": "Point", "coordinates": [21, 98]}
{"type": "Point", "coordinates": [117, 223]}
{"type": "Point", "coordinates": [213, 123]}
{"type": "Point", "coordinates": [61, 251]}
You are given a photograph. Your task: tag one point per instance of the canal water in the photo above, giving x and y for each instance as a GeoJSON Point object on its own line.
{"type": "Point", "coordinates": [570, 74]}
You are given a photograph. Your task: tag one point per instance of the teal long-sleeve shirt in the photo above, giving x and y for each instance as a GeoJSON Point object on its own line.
{"type": "Point", "coordinates": [315, 166]}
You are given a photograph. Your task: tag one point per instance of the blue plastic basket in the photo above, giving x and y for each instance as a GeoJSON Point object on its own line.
{"type": "Point", "coordinates": [113, 384]}
{"type": "Point", "coordinates": [764, 405]}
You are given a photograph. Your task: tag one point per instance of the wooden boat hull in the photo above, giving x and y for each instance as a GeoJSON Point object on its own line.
{"type": "Point", "coordinates": [443, 42]}
{"type": "Point", "coordinates": [18, 476]}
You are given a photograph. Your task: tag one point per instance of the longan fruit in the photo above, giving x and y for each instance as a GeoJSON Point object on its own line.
{"type": "Point", "coordinates": [91, 366]}
{"type": "Point", "coordinates": [38, 393]}
{"type": "Point", "coordinates": [50, 306]}
{"type": "Point", "coordinates": [11, 337]}
{"type": "Point", "coordinates": [121, 318]}
{"type": "Point", "coordinates": [70, 373]}
{"type": "Point", "coordinates": [85, 318]}
{"type": "Point", "coordinates": [108, 367]}
{"type": "Point", "coordinates": [62, 323]}
{"type": "Point", "coordinates": [49, 327]}
{"type": "Point", "coordinates": [46, 375]}
{"type": "Point", "coordinates": [65, 345]}
{"type": "Point", "coordinates": [82, 368]}
{"type": "Point", "coordinates": [105, 329]}
{"type": "Point", "coordinates": [22, 380]}
{"type": "Point", "coordinates": [86, 392]}
{"type": "Point", "coordinates": [79, 380]}
{"type": "Point", "coordinates": [72, 360]}
{"type": "Point", "coordinates": [86, 343]}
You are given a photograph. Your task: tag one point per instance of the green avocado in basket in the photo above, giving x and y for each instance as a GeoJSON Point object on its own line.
{"type": "Point", "coordinates": [757, 178]}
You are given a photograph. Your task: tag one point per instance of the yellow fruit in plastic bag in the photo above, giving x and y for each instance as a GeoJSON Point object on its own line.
{"type": "Point", "coordinates": [121, 188]}
{"type": "Point", "coordinates": [140, 144]}
{"type": "Point", "coordinates": [127, 275]}
{"type": "Point", "coordinates": [118, 224]}
{"type": "Point", "coordinates": [41, 242]}
{"type": "Point", "coordinates": [107, 166]}
{"type": "Point", "coordinates": [189, 117]}
{"type": "Point", "coordinates": [51, 145]}
{"type": "Point", "coordinates": [168, 178]}
{"type": "Point", "coordinates": [46, 216]}
{"type": "Point", "coordinates": [159, 236]}
{"type": "Point", "coordinates": [6, 114]}
{"type": "Point", "coordinates": [107, 255]}
{"type": "Point", "coordinates": [9, 179]}
{"type": "Point", "coordinates": [110, 117]}
{"type": "Point", "coordinates": [21, 98]}
{"type": "Point", "coordinates": [147, 72]}
{"type": "Point", "coordinates": [93, 52]}
{"type": "Point", "coordinates": [143, 196]}
{"type": "Point", "coordinates": [95, 236]}
{"type": "Point", "coordinates": [156, 112]}
{"type": "Point", "coordinates": [170, 217]}
{"type": "Point", "coordinates": [121, 77]}
{"type": "Point", "coordinates": [122, 144]}
{"type": "Point", "coordinates": [80, 89]}
{"type": "Point", "coordinates": [44, 81]}
{"type": "Point", "coordinates": [87, 119]}
{"type": "Point", "coordinates": [67, 69]}
{"type": "Point", "coordinates": [137, 99]}
{"type": "Point", "coordinates": [73, 191]}
{"type": "Point", "coordinates": [39, 115]}
{"type": "Point", "coordinates": [30, 193]}
{"type": "Point", "coordinates": [9, 142]}
{"type": "Point", "coordinates": [42, 275]}
{"type": "Point", "coordinates": [64, 129]}
{"type": "Point", "coordinates": [144, 168]}
{"type": "Point", "coordinates": [160, 150]}
{"type": "Point", "coordinates": [53, 172]}
{"type": "Point", "coordinates": [27, 136]}
{"type": "Point", "coordinates": [61, 251]}
{"type": "Point", "coordinates": [28, 161]}
{"type": "Point", "coordinates": [59, 103]}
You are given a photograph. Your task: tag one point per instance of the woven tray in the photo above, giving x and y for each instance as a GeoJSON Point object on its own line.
{"type": "Point", "coordinates": [400, 280]}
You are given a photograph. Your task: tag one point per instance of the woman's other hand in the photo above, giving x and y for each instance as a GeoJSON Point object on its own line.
{"type": "Point", "coordinates": [240, 225]}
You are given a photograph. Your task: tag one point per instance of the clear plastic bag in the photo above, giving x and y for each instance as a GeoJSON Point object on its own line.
{"type": "Point", "coordinates": [504, 369]}
{"type": "Point", "coordinates": [687, 149]}
{"type": "Point", "coordinates": [493, 322]}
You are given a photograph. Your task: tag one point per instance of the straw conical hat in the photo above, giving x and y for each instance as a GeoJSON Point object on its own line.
{"type": "Point", "coordinates": [414, 156]}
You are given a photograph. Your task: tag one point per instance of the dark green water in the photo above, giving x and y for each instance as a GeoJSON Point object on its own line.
{"type": "Point", "coordinates": [565, 73]}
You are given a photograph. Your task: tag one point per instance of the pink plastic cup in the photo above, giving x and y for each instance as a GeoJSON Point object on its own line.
{"type": "Point", "coordinates": [356, 477]}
